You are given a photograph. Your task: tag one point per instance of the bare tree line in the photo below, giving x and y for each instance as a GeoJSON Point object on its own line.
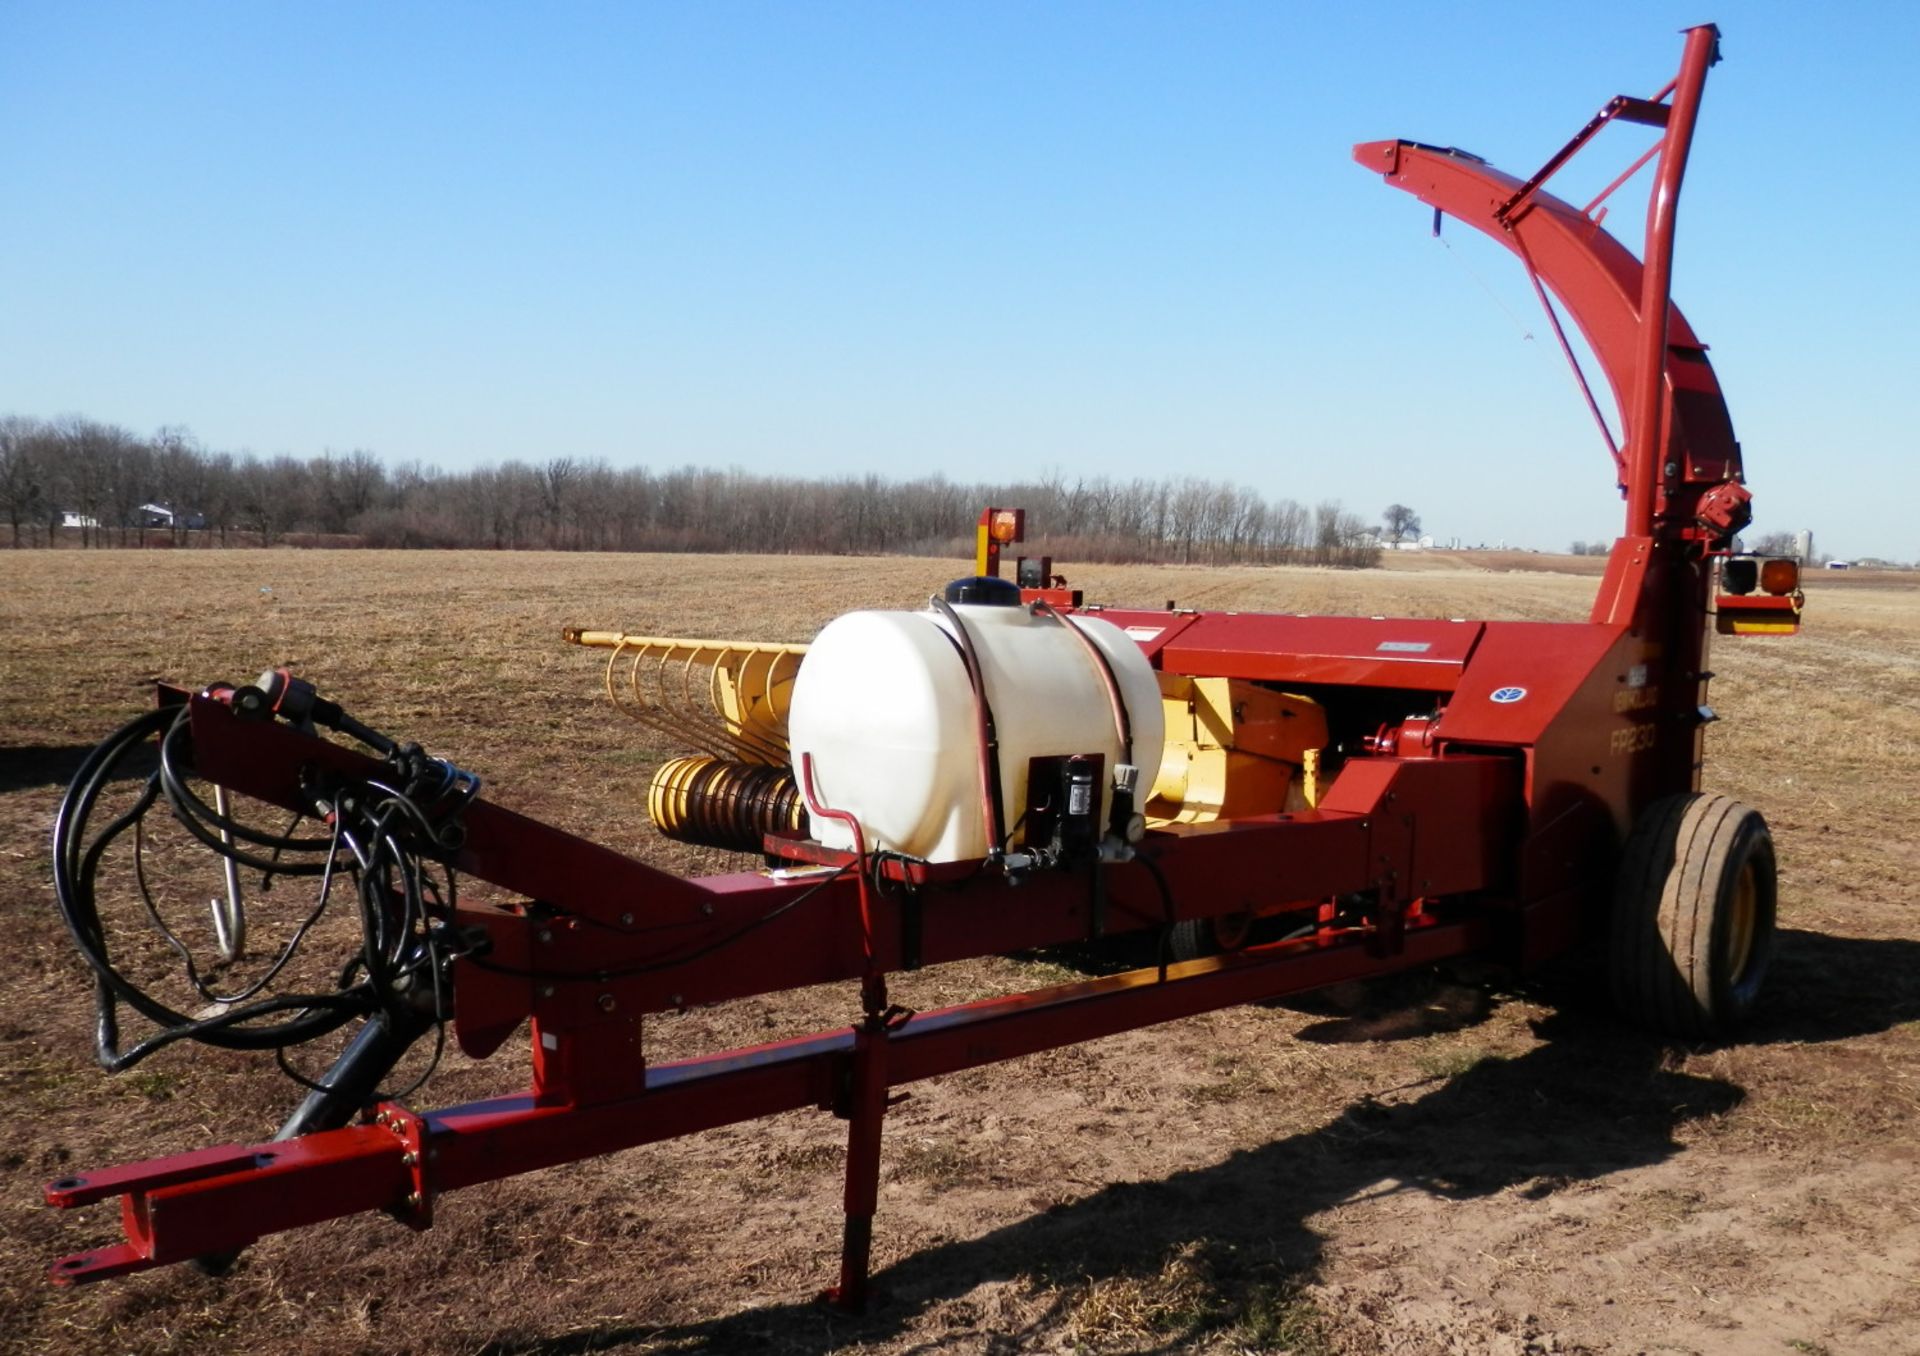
{"type": "Point", "coordinates": [75, 480]}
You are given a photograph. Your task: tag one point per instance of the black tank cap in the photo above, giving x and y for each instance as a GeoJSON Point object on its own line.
{"type": "Point", "coordinates": [983, 590]}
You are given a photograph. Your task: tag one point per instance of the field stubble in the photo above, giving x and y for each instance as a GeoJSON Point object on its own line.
{"type": "Point", "coordinates": [1443, 1163]}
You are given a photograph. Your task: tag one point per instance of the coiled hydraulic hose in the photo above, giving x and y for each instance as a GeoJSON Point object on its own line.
{"type": "Point", "coordinates": [383, 831]}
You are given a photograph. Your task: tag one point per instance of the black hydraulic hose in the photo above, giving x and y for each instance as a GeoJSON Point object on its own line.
{"type": "Point", "coordinates": [280, 962]}
{"type": "Point", "coordinates": [1170, 913]}
{"type": "Point", "coordinates": [75, 865]}
{"type": "Point", "coordinates": [336, 1009]}
{"type": "Point", "coordinates": [85, 788]}
{"type": "Point", "coordinates": [194, 813]}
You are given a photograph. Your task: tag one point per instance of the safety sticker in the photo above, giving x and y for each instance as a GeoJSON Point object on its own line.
{"type": "Point", "coordinates": [1145, 632]}
{"type": "Point", "coordinates": [1403, 646]}
{"type": "Point", "coordinates": [1506, 696]}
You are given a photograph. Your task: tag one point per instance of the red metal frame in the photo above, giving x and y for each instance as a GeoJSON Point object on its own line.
{"type": "Point", "coordinates": [216, 1200]}
{"type": "Point", "coordinates": [1485, 822]}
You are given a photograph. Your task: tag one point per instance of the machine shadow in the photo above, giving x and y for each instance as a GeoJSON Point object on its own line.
{"type": "Point", "coordinates": [1588, 1103]}
{"type": "Point", "coordinates": [1819, 988]}
{"type": "Point", "coordinates": [1594, 1100]}
{"type": "Point", "coordinates": [1825, 988]}
{"type": "Point", "coordinates": [32, 766]}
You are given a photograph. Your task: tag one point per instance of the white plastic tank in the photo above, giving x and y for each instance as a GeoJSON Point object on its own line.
{"type": "Point", "coordinates": [883, 706]}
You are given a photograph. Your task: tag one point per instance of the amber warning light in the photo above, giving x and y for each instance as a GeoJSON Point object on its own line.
{"type": "Point", "coordinates": [1780, 577]}
{"type": "Point", "coordinates": [998, 527]}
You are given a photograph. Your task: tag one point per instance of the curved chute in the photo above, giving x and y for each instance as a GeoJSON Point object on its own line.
{"type": "Point", "coordinates": [1605, 289]}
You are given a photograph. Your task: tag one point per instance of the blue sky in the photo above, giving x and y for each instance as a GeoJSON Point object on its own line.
{"type": "Point", "coordinates": [986, 239]}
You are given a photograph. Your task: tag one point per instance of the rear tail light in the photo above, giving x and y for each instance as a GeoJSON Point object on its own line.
{"type": "Point", "coordinates": [1780, 577]}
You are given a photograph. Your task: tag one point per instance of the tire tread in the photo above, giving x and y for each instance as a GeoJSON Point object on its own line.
{"type": "Point", "coordinates": [1672, 882]}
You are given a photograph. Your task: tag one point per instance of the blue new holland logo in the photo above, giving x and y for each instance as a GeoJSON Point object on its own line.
{"type": "Point", "coordinates": [1508, 695]}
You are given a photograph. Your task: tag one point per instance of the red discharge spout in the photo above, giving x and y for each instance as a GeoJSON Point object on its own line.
{"type": "Point", "coordinates": [1645, 435]}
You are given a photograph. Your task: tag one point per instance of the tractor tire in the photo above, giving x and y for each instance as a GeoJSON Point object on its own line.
{"type": "Point", "coordinates": [1192, 938]}
{"type": "Point", "coordinates": [1693, 916]}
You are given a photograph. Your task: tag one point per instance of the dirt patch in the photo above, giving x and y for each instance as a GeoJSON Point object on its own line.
{"type": "Point", "coordinates": [1445, 1164]}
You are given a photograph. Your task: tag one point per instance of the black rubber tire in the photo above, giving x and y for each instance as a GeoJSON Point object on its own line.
{"type": "Point", "coordinates": [1192, 938]}
{"type": "Point", "coordinates": [1694, 903]}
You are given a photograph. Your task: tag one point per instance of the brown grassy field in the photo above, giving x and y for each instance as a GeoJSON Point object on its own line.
{"type": "Point", "coordinates": [1446, 1163]}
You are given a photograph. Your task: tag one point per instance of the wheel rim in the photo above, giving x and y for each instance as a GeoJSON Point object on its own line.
{"type": "Point", "coordinates": [1230, 932]}
{"type": "Point", "coordinates": [1743, 923]}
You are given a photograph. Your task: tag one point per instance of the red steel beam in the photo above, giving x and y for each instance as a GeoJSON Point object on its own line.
{"type": "Point", "coordinates": [218, 1200]}
{"type": "Point", "coordinates": [622, 936]}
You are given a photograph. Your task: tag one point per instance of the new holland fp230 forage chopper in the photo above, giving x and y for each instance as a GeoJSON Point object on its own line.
{"type": "Point", "coordinates": [1008, 769]}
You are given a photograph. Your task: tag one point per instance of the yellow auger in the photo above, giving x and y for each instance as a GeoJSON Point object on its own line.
{"type": "Point", "coordinates": [728, 700]}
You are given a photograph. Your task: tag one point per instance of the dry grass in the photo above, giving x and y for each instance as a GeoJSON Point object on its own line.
{"type": "Point", "coordinates": [1430, 1165]}
{"type": "Point", "coordinates": [1198, 1299]}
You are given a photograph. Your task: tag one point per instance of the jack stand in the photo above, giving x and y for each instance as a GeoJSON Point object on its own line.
{"type": "Point", "coordinates": [866, 1111]}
